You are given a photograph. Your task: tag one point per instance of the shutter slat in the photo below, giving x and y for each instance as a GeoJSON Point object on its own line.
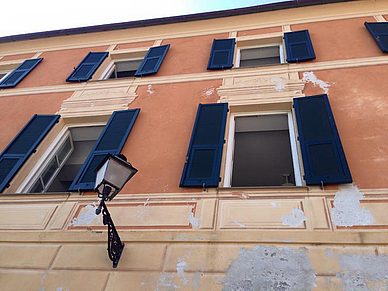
{"type": "Point", "coordinates": [379, 32]}
{"type": "Point", "coordinates": [298, 46]}
{"type": "Point", "coordinates": [110, 141]}
{"type": "Point", "coordinates": [152, 61]}
{"type": "Point", "coordinates": [323, 156]}
{"type": "Point", "coordinates": [86, 68]}
{"type": "Point", "coordinates": [204, 155]}
{"type": "Point", "coordinates": [23, 145]}
{"type": "Point", "coordinates": [19, 73]}
{"type": "Point", "coordinates": [221, 55]}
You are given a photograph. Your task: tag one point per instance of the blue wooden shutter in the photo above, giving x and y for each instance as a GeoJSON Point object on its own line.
{"type": "Point", "coordinates": [110, 141]}
{"type": "Point", "coordinates": [19, 73]}
{"type": "Point", "coordinates": [221, 55]}
{"type": "Point", "coordinates": [203, 160]}
{"type": "Point", "coordinates": [152, 61]}
{"type": "Point", "coordinates": [86, 68]}
{"type": "Point", "coordinates": [298, 46]}
{"type": "Point", "coordinates": [323, 156]}
{"type": "Point", "coordinates": [23, 145]}
{"type": "Point", "coordinates": [379, 31]}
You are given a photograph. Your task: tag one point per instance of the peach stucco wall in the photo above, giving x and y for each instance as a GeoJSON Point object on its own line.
{"type": "Point", "coordinates": [56, 67]}
{"type": "Point", "coordinates": [17, 110]}
{"type": "Point", "coordinates": [359, 102]}
{"type": "Point", "coordinates": [259, 31]}
{"type": "Point", "coordinates": [17, 57]}
{"type": "Point", "coordinates": [159, 140]}
{"type": "Point", "coordinates": [124, 46]}
{"type": "Point", "coordinates": [188, 55]}
{"type": "Point", "coordinates": [341, 39]}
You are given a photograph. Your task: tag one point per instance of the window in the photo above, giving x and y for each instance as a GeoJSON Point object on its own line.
{"type": "Point", "coordinates": [13, 78]}
{"type": "Point", "coordinates": [123, 69]}
{"type": "Point", "coordinates": [64, 163]}
{"type": "Point", "coordinates": [262, 151]}
{"type": "Point", "coordinates": [260, 56]}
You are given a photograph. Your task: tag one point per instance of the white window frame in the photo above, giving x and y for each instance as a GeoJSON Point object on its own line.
{"type": "Point", "coordinates": [49, 154]}
{"type": "Point", "coordinates": [108, 71]}
{"type": "Point", "coordinates": [281, 53]}
{"type": "Point", "coordinates": [6, 72]}
{"type": "Point", "coordinates": [230, 147]}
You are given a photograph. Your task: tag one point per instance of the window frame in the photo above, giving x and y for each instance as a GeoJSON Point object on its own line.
{"type": "Point", "coordinates": [227, 181]}
{"type": "Point", "coordinates": [242, 47]}
{"type": "Point", "coordinates": [50, 153]}
{"type": "Point", "coordinates": [110, 68]}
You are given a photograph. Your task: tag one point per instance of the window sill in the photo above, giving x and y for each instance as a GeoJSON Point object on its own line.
{"type": "Point", "coordinates": [265, 188]}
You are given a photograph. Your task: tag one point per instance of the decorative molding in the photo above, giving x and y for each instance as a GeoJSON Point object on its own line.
{"type": "Point", "coordinates": [379, 18]}
{"type": "Point", "coordinates": [158, 42]}
{"type": "Point", "coordinates": [233, 34]}
{"type": "Point", "coordinates": [286, 28]}
{"type": "Point", "coordinates": [98, 101]}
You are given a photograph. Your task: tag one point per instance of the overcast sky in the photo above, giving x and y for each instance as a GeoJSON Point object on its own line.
{"type": "Point", "coordinates": [25, 16]}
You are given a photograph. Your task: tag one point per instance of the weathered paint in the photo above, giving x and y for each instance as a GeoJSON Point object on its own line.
{"type": "Point", "coordinates": [270, 268]}
{"type": "Point", "coordinates": [87, 216]}
{"type": "Point", "coordinates": [296, 219]}
{"type": "Point", "coordinates": [259, 31]}
{"type": "Point", "coordinates": [347, 210]}
{"type": "Point", "coordinates": [195, 222]}
{"type": "Point", "coordinates": [309, 77]}
{"type": "Point", "coordinates": [124, 46]}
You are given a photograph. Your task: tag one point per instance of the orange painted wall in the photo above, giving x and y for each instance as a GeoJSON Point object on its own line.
{"type": "Point", "coordinates": [159, 140]}
{"type": "Point", "coordinates": [134, 45]}
{"type": "Point", "coordinates": [17, 57]}
{"type": "Point", "coordinates": [358, 98]}
{"type": "Point", "coordinates": [341, 39]}
{"type": "Point", "coordinates": [259, 31]}
{"type": "Point", "coordinates": [56, 67]}
{"type": "Point", "coordinates": [17, 110]}
{"type": "Point", "coordinates": [188, 55]}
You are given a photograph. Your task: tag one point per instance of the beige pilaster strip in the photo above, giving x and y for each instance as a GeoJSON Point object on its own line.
{"type": "Point", "coordinates": [233, 34]}
{"type": "Point", "coordinates": [379, 18]}
{"type": "Point", "coordinates": [37, 55]}
{"type": "Point", "coordinates": [286, 28]}
{"type": "Point", "coordinates": [158, 42]}
{"type": "Point", "coordinates": [111, 48]}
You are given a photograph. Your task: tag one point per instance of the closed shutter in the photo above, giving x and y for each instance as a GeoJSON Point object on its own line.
{"type": "Point", "coordinates": [203, 160]}
{"type": "Point", "coordinates": [152, 61]}
{"type": "Point", "coordinates": [86, 68]}
{"type": "Point", "coordinates": [19, 73]}
{"type": "Point", "coordinates": [110, 141]}
{"type": "Point", "coordinates": [323, 156]}
{"type": "Point", "coordinates": [298, 46]}
{"type": "Point", "coordinates": [221, 55]}
{"type": "Point", "coordinates": [379, 32]}
{"type": "Point", "coordinates": [23, 145]}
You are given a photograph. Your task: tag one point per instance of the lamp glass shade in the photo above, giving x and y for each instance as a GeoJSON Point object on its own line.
{"type": "Point", "coordinates": [114, 172]}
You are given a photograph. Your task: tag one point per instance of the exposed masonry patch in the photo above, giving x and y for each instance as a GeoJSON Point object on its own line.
{"type": "Point", "coordinates": [236, 222]}
{"type": "Point", "coordinates": [280, 86]}
{"type": "Point", "coordinates": [181, 266]}
{"type": "Point", "coordinates": [86, 216]}
{"type": "Point", "coordinates": [195, 222]}
{"type": "Point", "coordinates": [165, 283]}
{"type": "Point", "coordinates": [296, 219]}
{"type": "Point", "coordinates": [274, 204]}
{"type": "Point", "coordinates": [270, 268]}
{"type": "Point", "coordinates": [366, 272]}
{"type": "Point", "coordinates": [310, 77]}
{"type": "Point", "coordinates": [149, 90]}
{"type": "Point", "coordinates": [347, 210]}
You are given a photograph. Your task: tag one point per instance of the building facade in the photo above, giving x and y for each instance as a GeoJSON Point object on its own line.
{"type": "Point", "coordinates": [259, 135]}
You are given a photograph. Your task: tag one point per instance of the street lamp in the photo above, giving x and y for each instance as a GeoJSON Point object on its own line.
{"type": "Point", "coordinates": [112, 174]}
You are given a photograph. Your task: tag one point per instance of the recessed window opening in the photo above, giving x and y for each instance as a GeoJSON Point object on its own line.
{"type": "Point", "coordinates": [263, 152]}
{"type": "Point", "coordinates": [260, 56]}
{"type": "Point", "coordinates": [64, 165]}
{"type": "Point", "coordinates": [124, 69]}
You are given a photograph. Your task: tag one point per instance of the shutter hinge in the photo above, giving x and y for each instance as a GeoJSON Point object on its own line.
{"type": "Point", "coordinates": [219, 179]}
{"type": "Point", "coordinates": [224, 141]}
{"type": "Point", "coordinates": [304, 177]}
{"type": "Point", "coordinates": [203, 187]}
{"type": "Point", "coordinates": [297, 137]}
{"type": "Point", "coordinates": [227, 110]}
{"type": "Point", "coordinates": [187, 159]}
{"type": "Point", "coordinates": [321, 186]}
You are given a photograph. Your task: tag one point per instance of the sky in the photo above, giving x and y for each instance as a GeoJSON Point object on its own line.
{"type": "Point", "coordinates": [26, 16]}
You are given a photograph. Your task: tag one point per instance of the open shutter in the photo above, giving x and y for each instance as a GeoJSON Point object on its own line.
{"type": "Point", "coordinates": [152, 61]}
{"type": "Point", "coordinates": [323, 156]}
{"type": "Point", "coordinates": [19, 73]}
{"type": "Point", "coordinates": [23, 145]}
{"type": "Point", "coordinates": [110, 141]}
{"type": "Point", "coordinates": [298, 46]}
{"type": "Point", "coordinates": [221, 55]}
{"type": "Point", "coordinates": [379, 32]}
{"type": "Point", "coordinates": [86, 68]}
{"type": "Point", "coordinates": [203, 160]}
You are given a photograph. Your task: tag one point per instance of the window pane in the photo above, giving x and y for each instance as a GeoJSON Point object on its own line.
{"type": "Point", "coordinates": [261, 56]}
{"type": "Point", "coordinates": [37, 188]}
{"type": "Point", "coordinates": [49, 171]}
{"type": "Point", "coordinates": [64, 151]}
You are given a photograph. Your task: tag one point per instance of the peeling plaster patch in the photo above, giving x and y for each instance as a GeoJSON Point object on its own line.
{"type": "Point", "coordinates": [236, 222]}
{"type": "Point", "coordinates": [274, 204]}
{"type": "Point", "coordinates": [61, 289]}
{"type": "Point", "coordinates": [165, 283]}
{"type": "Point", "coordinates": [195, 222]}
{"type": "Point", "coordinates": [42, 215]}
{"type": "Point", "coordinates": [207, 92]}
{"type": "Point", "coordinates": [196, 281]}
{"type": "Point", "coordinates": [143, 211]}
{"type": "Point", "coordinates": [180, 269]}
{"type": "Point", "coordinates": [270, 268]}
{"type": "Point", "coordinates": [149, 90]}
{"type": "Point", "coordinates": [347, 210]}
{"type": "Point", "coordinates": [310, 77]}
{"type": "Point", "coordinates": [362, 272]}
{"type": "Point", "coordinates": [280, 86]}
{"type": "Point", "coordinates": [296, 219]}
{"type": "Point", "coordinates": [86, 216]}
